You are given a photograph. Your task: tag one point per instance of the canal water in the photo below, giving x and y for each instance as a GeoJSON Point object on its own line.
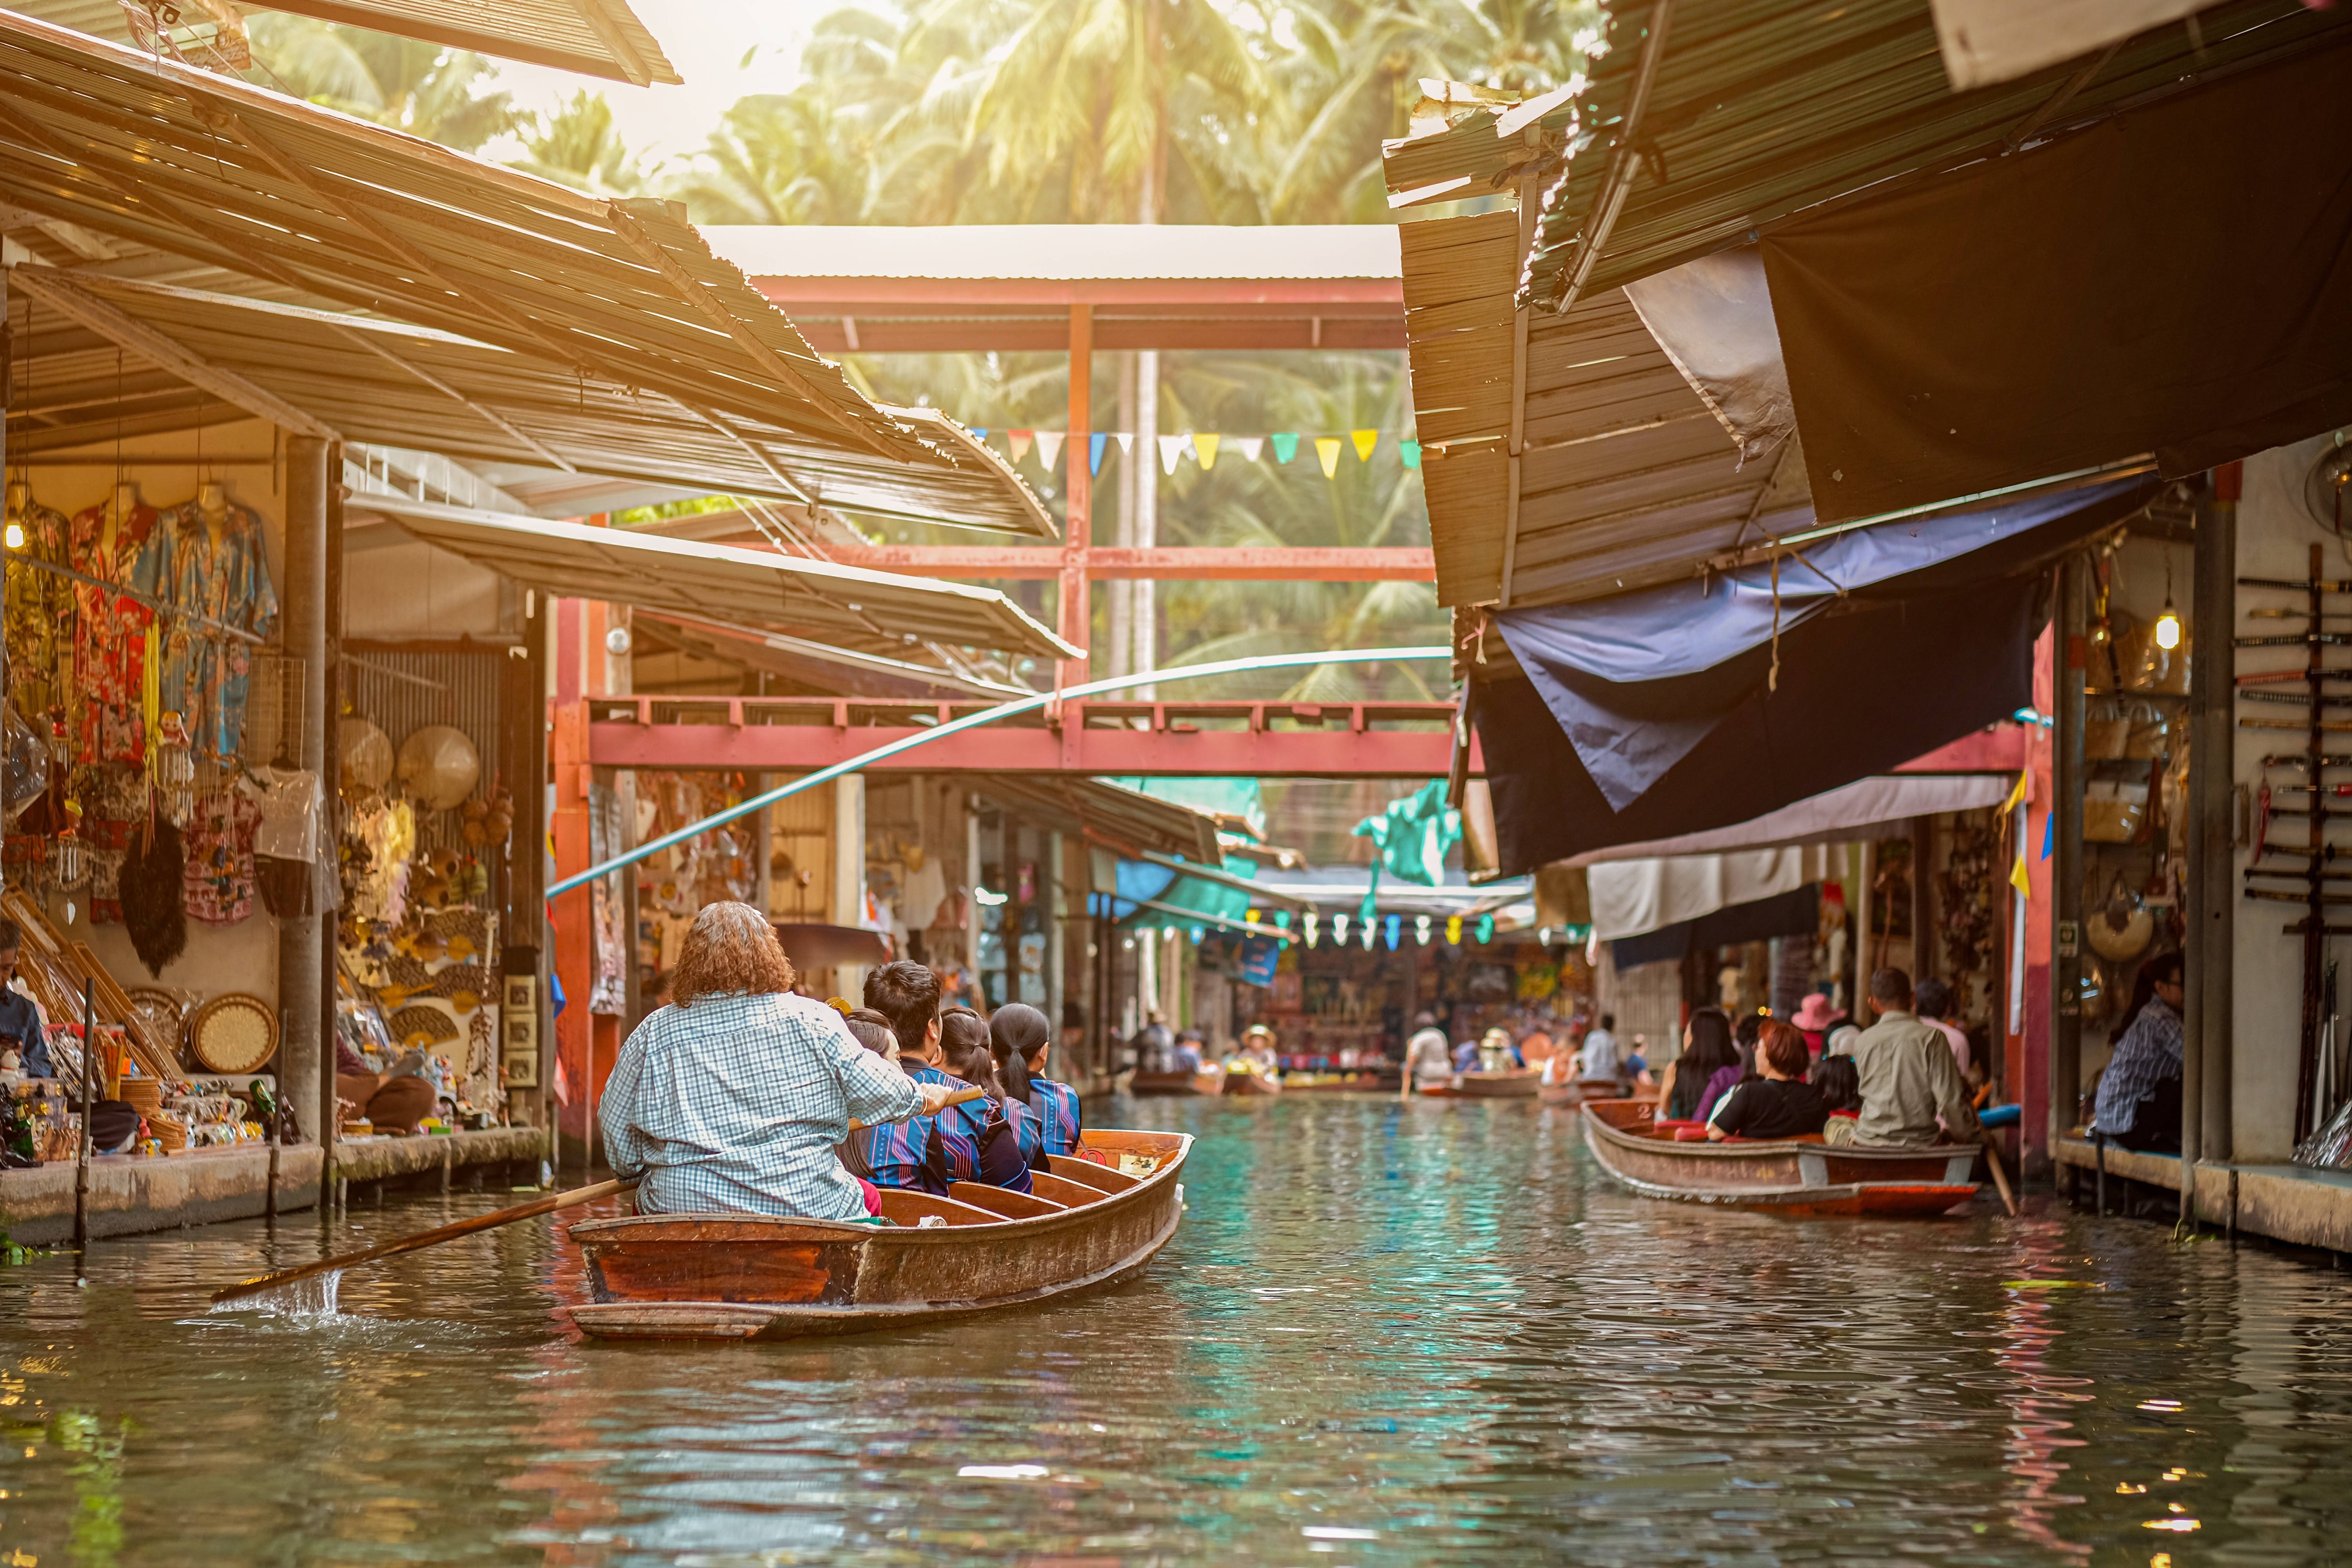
{"type": "Point", "coordinates": [1385, 1334]}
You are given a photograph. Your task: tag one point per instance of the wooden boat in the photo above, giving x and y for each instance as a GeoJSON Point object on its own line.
{"type": "Point", "coordinates": [1510, 1083]}
{"type": "Point", "coordinates": [1790, 1176]}
{"type": "Point", "coordinates": [980, 1248]}
{"type": "Point", "coordinates": [1242, 1078]}
{"type": "Point", "coordinates": [1208, 1080]}
{"type": "Point", "coordinates": [1349, 1082]}
{"type": "Point", "coordinates": [1576, 1091]}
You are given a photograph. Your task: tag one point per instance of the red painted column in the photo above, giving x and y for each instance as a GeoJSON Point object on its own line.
{"type": "Point", "coordinates": [1076, 616]}
{"type": "Point", "coordinates": [574, 955]}
{"type": "Point", "coordinates": [2027, 1060]}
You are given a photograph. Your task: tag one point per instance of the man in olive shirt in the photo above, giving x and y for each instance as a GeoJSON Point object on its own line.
{"type": "Point", "coordinates": [1908, 1077]}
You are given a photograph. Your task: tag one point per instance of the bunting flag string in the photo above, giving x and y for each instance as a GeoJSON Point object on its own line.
{"type": "Point", "coordinates": [1203, 447]}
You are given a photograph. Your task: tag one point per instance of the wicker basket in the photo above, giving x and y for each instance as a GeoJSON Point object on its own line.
{"type": "Point", "coordinates": [143, 1095]}
{"type": "Point", "coordinates": [169, 1130]}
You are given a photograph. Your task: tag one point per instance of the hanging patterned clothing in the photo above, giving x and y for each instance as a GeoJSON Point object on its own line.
{"type": "Point", "coordinates": [220, 881]}
{"type": "Point", "coordinates": [41, 611]}
{"type": "Point", "coordinates": [113, 806]}
{"type": "Point", "coordinates": [110, 637]}
{"type": "Point", "coordinates": [214, 569]}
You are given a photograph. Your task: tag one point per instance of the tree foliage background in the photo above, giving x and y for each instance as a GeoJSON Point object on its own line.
{"type": "Point", "coordinates": [1186, 111]}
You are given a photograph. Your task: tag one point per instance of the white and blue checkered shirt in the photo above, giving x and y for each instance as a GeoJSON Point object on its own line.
{"type": "Point", "coordinates": [2150, 1051]}
{"type": "Point", "coordinates": [736, 1102]}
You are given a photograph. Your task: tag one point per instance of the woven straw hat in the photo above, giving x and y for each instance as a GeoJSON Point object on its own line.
{"type": "Point", "coordinates": [440, 766]}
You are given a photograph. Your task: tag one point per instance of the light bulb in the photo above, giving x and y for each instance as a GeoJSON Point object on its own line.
{"type": "Point", "coordinates": [15, 536]}
{"type": "Point", "coordinates": [2168, 628]}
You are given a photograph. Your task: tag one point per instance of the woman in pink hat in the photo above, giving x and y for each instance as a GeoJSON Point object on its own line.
{"type": "Point", "coordinates": [1815, 1018]}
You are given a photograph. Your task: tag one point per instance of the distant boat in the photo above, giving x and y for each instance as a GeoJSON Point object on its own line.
{"type": "Point", "coordinates": [1510, 1083]}
{"type": "Point", "coordinates": [1093, 1220]}
{"type": "Point", "coordinates": [1784, 1175]}
{"type": "Point", "coordinates": [1244, 1077]}
{"type": "Point", "coordinates": [1207, 1080]}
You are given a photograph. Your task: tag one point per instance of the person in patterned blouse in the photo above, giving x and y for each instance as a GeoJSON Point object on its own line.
{"type": "Point", "coordinates": [907, 994]}
{"type": "Point", "coordinates": [1017, 1033]}
{"type": "Point", "coordinates": [733, 1095]}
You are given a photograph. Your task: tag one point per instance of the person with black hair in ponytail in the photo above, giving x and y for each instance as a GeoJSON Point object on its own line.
{"type": "Point", "coordinates": [980, 1140]}
{"type": "Point", "coordinates": [1019, 1035]}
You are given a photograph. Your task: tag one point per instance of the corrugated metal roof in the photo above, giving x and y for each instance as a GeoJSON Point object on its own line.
{"type": "Point", "coordinates": [1062, 252]}
{"type": "Point", "coordinates": [621, 293]}
{"type": "Point", "coordinates": [873, 610]}
{"type": "Point", "coordinates": [1627, 480]}
{"type": "Point", "coordinates": [383, 382]}
{"type": "Point", "coordinates": [1756, 110]}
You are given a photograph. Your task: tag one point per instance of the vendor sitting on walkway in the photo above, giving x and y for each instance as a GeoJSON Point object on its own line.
{"type": "Point", "coordinates": [2138, 1105]}
{"type": "Point", "coordinates": [1908, 1077]}
{"type": "Point", "coordinates": [733, 1095]}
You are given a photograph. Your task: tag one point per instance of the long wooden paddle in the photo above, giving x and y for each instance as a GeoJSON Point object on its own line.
{"type": "Point", "coordinates": [1999, 1174]}
{"type": "Point", "coordinates": [425, 1238]}
{"type": "Point", "coordinates": [480, 1221]}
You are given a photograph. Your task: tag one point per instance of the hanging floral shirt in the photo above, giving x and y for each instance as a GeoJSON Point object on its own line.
{"type": "Point", "coordinates": [223, 578]}
{"type": "Point", "coordinates": [110, 637]}
{"type": "Point", "coordinates": [217, 888]}
{"type": "Point", "coordinates": [40, 609]}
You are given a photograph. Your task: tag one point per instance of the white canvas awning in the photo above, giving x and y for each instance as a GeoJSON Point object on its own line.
{"type": "Point", "coordinates": [1833, 816]}
{"type": "Point", "coordinates": [1630, 897]}
{"type": "Point", "coordinates": [875, 612]}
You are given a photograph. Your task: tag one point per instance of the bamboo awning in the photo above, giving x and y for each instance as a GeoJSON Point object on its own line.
{"type": "Point", "coordinates": [595, 37]}
{"type": "Point", "coordinates": [193, 357]}
{"type": "Point", "coordinates": [874, 612]}
{"type": "Point", "coordinates": [1112, 815]}
{"type": "Point", "coordinates": [618, 294]}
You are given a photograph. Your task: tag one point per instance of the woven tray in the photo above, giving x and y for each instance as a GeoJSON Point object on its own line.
{"type": "Point", "coordinates": [233, 1032]}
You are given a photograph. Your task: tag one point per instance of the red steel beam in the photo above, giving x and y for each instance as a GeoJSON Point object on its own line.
{"type": "Point", "coordinates": [1327, 740]}
{"type": "Point", "coordinates": [1112, 334]}
{"type": "Point", "coordinates": [1180, 563]}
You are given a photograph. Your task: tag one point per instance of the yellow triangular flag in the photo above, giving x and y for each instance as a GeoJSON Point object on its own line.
{"type": "Point", "coordinates": [1365, 440]}
{"type": "Point", "coordinates": [1206, 449]}
{"type": "Point", "coordinates": [2017, 792]}
{"type": "Point", "coordinates": [1326, 452]}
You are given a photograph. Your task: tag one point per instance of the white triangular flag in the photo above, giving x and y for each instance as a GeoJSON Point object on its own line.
{"type": "Point", "coordinates": [1251, 446]}
{"type": "Point", "coordinates": [1049, 447]}
{"type": "Point", "coordinates": [1170, 449]}
{"type": "Point", "coordinates": [1126, 441]}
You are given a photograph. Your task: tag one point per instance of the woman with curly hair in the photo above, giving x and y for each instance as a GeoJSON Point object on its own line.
{"type": "Point", "coordinates": [733, 1095]}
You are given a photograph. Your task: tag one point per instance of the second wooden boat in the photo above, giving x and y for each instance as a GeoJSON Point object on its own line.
{"type": "Point", "coordinates": [1243, 1078]}
{"type": "Point", "coordinates": [1576, 1091]}
{"type": "Point", "coordinates": [1789, 1177]}
{"type": "Point", "coordinates": [1208, 1080]}
{"type": "Point", "coordinates": [746, 1276]}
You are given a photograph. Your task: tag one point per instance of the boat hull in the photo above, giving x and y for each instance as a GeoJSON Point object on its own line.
{"type": "Point", "coordinates": [1580, 1090]}
{"type": "Point", "coordinates": [751, 1276]}
{"type": "Point", "coordinates": [1177, 1083]}
{"type": "Point", "coordinates": [1782, 1177]}
{"type": "Point", "coordinates": [1518, 1084]}
{"type": "Point", "coordinates": [1249, 1083]}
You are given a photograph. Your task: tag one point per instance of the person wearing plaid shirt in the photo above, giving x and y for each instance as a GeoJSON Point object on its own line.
{"type": "Point", "coordinates": [733, 1096]}
{"type": "Point", "coordinates": [2131, 1109]}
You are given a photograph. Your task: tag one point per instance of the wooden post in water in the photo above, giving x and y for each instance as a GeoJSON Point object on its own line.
{"type": "Point", "coordinates": [81, 1153]}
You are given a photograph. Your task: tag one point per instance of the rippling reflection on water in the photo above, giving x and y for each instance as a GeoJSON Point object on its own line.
{"type": "Point", "coordinates": [1423, 1334]}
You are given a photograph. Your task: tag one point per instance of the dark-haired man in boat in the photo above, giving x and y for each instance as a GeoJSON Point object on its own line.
{"type": "Point", "coordinates": [1909, 1080]}
{"type": "Point", "coordinates": [907, 994]}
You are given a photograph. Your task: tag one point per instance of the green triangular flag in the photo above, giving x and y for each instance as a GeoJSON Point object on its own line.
{"type": "Point", "coordinates": [1411, 452]}
{"type": "Point", "coordinates": [1285, 445]}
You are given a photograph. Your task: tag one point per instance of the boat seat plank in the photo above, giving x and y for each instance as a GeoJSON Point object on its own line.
{"type": "Point", "coordinates": [1087, 1171]}
{"type": "Point", "coordinates": [1064, 1191]}
{"type": "Point", "coordinates": [904, 1205]}
{"type": "Point", "coordinates": [1003, 1201]}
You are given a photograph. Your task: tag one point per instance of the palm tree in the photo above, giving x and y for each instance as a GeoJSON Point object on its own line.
{"type": "Point", "coordinates": [577, 146]}
{"type": "Point", "coordinates": [425, 89]}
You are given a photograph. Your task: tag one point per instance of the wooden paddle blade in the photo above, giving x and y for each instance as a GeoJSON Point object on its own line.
{"type": "Point", "coordinates": [425, 1238]}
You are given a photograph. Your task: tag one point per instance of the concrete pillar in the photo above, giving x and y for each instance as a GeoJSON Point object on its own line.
{"type": "Point", "coordinates": [2066, 860]}
{"type": "Point", "coordinates": [300, 969]}
{"type": "Point", "coordinates": [2207, 1055]}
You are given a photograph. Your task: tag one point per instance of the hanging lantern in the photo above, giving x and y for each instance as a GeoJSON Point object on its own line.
{"type": "Point", "coordinates": [1453, 929]}
{"type": "Point", "coordinates": [1393, 928]}
{"type": "Point", "coordinates": [1339, 929]}
{"type": "Point", "coordinates": [1196, 934]}
{"type": "Point", "coordinates": [1371, 930]}
{"type": "Point", "coordinates": [1485, 928]}
{"type": "Point", "coordinates": [1282, 918]}
{"type": "Point", "coordinates": [1312, 922]}
{"type": "Point", "coordinates": [1421, 927]}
